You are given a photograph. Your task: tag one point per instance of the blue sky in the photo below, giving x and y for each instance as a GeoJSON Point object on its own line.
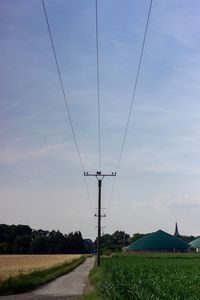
{"type": "Point", "coordinates": [41, 180]}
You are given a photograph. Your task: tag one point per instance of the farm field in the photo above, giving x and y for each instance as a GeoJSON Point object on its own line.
{"type": "Point", "coordinates": [148, 276]}
{"type": "Point", "coordinates": [12, 265]}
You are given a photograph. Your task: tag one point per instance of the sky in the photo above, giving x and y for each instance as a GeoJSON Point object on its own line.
{"type": "Point", "coordinates": [41, 179]}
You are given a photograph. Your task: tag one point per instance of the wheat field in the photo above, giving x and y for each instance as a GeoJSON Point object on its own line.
{"type": "Point", "coordinates": [12, 265]}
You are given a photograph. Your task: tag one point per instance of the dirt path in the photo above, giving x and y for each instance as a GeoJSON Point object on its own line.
{"type": "Point", "coordinates": [68, 286]}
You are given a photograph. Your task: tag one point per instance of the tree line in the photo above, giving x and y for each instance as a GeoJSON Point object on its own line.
{"type": "Point", "coordinates": [22, 239]}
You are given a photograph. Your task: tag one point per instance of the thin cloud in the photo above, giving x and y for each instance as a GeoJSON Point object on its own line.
{"type": "Point", "coordinates": [15, 156]}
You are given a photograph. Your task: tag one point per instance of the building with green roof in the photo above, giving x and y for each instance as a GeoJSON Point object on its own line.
{"type": "Point", "coordinates": [195, 244]}
{"type": "Point", "coordinates": [159, 241]}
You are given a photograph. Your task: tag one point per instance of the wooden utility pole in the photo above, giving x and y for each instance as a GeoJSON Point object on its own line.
{"type": "Point", "coordinates": [99, 177]}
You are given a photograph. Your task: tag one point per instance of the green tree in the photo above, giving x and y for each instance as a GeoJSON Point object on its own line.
{"type": "Point", "coordinates": [21, 244]}
{"type": "Point", "coordinates": [5, 248]}
{"type": "Point", "coordinates": [39, 245]}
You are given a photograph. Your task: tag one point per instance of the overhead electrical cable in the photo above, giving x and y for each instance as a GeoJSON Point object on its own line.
{"type": "Point", "coordinates": [135, 87]}
{"type": "Point", "coordinates": [98, 94]}
{"type": "Point", "coordinates": [62, 87]}
{"type": "Point", "coordinates": [133, 98]}
{"type": "Point", "coordinates": [65, 99]}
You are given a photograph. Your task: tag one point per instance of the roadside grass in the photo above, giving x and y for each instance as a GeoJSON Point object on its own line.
{"type": "Point", "coordinates": [146, 276]}
{"type": "Point", "coordinates": [95, 279]}
{"type": "Point", "coordinates": [27, 282]}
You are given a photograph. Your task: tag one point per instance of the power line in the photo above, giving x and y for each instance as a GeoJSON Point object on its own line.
{"type": "Point", "coordinates": [135, 87]}
{"type": "Point", "coordinates": [65, 100]}
{"type": "Point", "coordinates": [132, 101]}
{"type": "Point", "coordinates": [62, 86]}
{"type": "Point", "coordinates": [88, 194]}
{"type": "Point", "coordinates": [98, 94]}
{"type": "Point", "coordinates": [112, 193]}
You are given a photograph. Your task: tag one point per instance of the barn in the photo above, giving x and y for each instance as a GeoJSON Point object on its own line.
{"type": "Point", "coordinates": [195, 244]}
{"type": "Point", "coordinates": [159, 241]}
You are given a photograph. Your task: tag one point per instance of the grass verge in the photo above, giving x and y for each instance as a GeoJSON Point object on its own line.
{"type": "Point", "coordinates": [96, 279]}
{"type": "Point", "coordinates": [27, 282]}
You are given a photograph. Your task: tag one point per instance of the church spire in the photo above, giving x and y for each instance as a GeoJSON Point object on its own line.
{"type": "Point", "coordinates": [176, 233]}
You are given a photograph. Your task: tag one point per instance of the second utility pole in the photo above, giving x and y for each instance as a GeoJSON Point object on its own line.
{"type": "Point", "coordinates": [99, 177]}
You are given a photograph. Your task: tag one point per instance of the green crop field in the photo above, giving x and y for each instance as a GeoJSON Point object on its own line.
{"type": "Point", "coordinates": [148, 276]}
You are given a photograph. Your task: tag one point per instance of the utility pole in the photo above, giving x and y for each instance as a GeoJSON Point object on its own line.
{"type": "Point", "coordinates": [99, 177]}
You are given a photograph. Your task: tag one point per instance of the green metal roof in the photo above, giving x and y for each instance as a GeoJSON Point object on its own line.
{"type": "Point", "coordinates": [195, 243]}
{"type": "Point", "coordinates": [159, 240]}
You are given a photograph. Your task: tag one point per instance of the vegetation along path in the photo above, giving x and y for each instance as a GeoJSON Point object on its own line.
{"type": "Point", "coordinates": [68, 286]}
